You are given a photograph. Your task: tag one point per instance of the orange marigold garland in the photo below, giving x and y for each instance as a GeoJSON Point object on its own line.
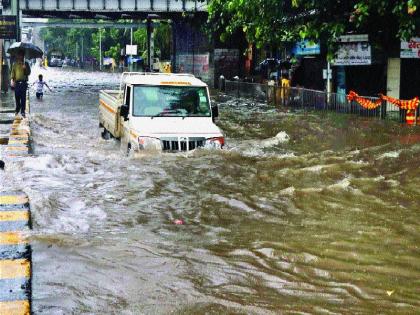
{"type": "Point", "coordinates": [364, 102]}
{"type": "Point", "coordinates": [368, 104]}
{"type": "Point", "coordinates": [409, 104]}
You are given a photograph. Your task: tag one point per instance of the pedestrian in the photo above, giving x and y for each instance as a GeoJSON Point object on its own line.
{"type": "Point", "coordinates": [20, 74]}
{"type": "Point", "coordinates": [40, 87]}
{"type": "Point", "coordinates": [113, 64]}
{"type": "Point", "coordinates": [285, 89]}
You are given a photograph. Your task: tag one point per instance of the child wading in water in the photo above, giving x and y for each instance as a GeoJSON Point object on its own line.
{"type": "Point", "coordinates": [40, 87]}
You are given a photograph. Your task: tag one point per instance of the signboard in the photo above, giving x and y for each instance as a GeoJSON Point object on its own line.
{"type": "Point", "coordinates": [354, 50]}
{"type": "Point", "coordinates": [131, 49]}
{"type": "Point", "coordinates": [8, 27]}
{"type": "Point", "coordinates": [326, 74]}
{"type": "Point", "coordinates": [199, 65]}
{"type": "Point", "coordinates": [306, 48]}
{"type": "Point", "coordinates": [411, 49]}
{"type": "Point", "coordinates": [353, 38]}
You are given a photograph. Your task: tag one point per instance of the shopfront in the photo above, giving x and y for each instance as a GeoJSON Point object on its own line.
{"type": "Point", "coordinates": [308, 72]}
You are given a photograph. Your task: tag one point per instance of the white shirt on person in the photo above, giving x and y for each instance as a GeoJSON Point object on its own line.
{"type": "Point", "coordinates": [40, 86]}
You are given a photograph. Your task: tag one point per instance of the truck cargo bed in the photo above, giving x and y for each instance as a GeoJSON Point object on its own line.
{"type": "Point", "coordinates": [109, 111]}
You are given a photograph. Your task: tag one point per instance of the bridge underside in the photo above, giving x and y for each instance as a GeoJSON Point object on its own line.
{"type": "Point", "coordinates": [113, 9]}
{"type": "Point", "coordinates": [105, 15]}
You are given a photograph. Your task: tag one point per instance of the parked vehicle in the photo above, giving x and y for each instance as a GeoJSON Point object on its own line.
{"type": "Point", "coordinates": [165, 112]}
{"type": "Point", "coordinates": [55, 62]}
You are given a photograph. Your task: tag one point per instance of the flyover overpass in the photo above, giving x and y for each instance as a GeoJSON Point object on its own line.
{"type": "Point", "coordinates": [110, 8]}
{"type": "Point", "coordinates": [68, 23]}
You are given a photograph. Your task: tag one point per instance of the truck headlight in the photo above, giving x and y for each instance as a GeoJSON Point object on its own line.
{"type": "Point", "coordinates": [149, 143]}
{"type": "Point", "coordinates": [217, 142]}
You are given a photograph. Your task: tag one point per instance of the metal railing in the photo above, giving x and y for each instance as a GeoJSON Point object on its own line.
{"type": "Point", "coordinates": [301, 98]}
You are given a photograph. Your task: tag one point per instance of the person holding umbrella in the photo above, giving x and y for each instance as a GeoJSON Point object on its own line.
{"type": "Point", "coordinates": [20, 73]}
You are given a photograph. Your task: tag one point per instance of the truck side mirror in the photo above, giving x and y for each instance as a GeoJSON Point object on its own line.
{"type": "Point", "coordinates": [215, 111]}
{"type": "Point", "coordinates": [124, 111]}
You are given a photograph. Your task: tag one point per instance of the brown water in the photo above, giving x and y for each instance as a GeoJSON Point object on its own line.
{"type": "Point", "coordinates": [303, 213]}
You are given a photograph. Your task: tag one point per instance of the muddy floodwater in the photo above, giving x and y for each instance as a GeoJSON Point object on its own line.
{"type": "Point", "coordinates": [302, 213]}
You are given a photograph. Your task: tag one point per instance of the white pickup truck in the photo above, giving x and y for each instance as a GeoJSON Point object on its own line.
{"type": "Point", "coordinates": [156, 111]}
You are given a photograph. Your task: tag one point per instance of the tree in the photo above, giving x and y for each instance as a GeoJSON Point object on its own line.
{"type": "Point", "coordinates": [67, 40]}
{"type": "Point", "coordinates": [273, 21]}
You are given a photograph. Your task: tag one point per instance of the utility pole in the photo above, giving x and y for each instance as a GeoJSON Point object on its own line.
{"type": "Point", "coordinates": [16, 11]}
{"type": "Point", "coordinates": [12, 8]}
{"type": "Point", "coordinates": [100, 49]}
{"type": "Point", "coordinates": [328, 78]}
{"type": "Point", "coordinates": [82, 52]}
{"type": "Point", "coordinates": [131, 44]}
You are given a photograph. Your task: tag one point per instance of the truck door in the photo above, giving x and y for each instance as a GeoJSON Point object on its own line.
{"type": "Point", "coordinates": [125, 123]}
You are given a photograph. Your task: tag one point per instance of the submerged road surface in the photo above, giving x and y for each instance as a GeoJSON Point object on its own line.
{"type": "Point", "coordinates": [301, 214]}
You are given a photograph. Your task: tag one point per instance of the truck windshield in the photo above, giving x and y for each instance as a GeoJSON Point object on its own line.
{"type": "Point", "coordinates": [174, 101]}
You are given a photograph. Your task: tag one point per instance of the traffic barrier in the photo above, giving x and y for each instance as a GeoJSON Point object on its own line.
{"type": "Point", "coordinates": [15, 254]}
{"type": "Point", "coordinates": [410, 117]}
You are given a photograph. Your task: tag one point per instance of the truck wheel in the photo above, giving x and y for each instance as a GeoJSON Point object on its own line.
{"type": "Point", "coordinates": [106, 135]}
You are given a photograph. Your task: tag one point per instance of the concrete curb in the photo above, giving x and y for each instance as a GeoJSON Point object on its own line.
{"type": "Point", "coordinates": [15, 222]}
{"type": "Point", "coordinates": [19, 138]}
{"type": "Point", "coordinates": [15, 254]}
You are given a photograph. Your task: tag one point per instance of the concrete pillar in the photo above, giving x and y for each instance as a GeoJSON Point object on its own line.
{"type": "Point", "coordinates": [149, 44]}
{"type": "Point", "coordinates": [193, 49]}
{"type": "Point", "coordinates": [393, 77]}
{"type": "Point", "coordinates": [174, 48]}
{"type": "Point", "coordinates": [393, 80]}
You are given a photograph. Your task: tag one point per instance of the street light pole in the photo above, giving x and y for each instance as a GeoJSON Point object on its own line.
{"type": "Point", "coordinates": [82, 57]}
{"type": "Point", "coordinates": [131, 44]}
{"type": "Point", "coordinates": [100, 49]}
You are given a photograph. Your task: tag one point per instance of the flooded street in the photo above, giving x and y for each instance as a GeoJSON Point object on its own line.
{"type": "Point", "coordinates": [303, 213]}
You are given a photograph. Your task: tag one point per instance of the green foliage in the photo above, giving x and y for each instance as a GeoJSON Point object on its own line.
{"type": "Point", "coordinates": [112, 40]}
{"type": "Point", "coordinates": [272, 22]}
{"type": "Point", "coordinates": [69, 41]}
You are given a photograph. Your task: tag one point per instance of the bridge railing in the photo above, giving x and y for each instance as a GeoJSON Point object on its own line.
{"type": "Point", "coordinates": [114, 5]}
{"type": "Point", "coordinates": [308, 99]}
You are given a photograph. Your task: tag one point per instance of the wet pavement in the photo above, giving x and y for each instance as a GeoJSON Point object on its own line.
{"type": "Point", "coordinates": [303, 213]}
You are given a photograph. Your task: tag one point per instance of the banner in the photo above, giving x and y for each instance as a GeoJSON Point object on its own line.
{"type": "Point", "coordinates": [411, 49]}
{"type": "Point", "coordinates": [8, 27]}
{"type": "Point", "coordinates": [354, 50]}
{"type": "Point", "coordinates": [306, 48]}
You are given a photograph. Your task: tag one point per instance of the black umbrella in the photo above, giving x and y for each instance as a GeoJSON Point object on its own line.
{"type": "Point", "coordinates": [31, 51]}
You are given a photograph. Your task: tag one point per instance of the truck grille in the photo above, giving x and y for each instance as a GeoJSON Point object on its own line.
{"type": "Point", "coordinates": [182, 143]}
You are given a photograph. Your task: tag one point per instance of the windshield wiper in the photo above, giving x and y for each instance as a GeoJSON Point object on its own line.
{"type": "Point", "coordinates": [157, 115]}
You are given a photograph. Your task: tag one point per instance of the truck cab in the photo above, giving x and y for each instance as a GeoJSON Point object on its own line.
{"type": "Point", "coordinates": [165, 112]}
